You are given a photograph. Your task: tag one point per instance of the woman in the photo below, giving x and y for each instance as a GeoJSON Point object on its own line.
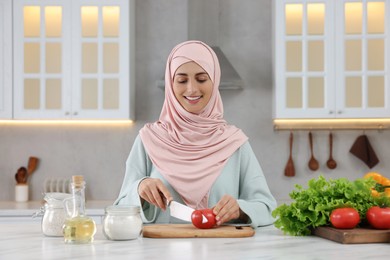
{"type": "Point", "coordinates": [191, 155]}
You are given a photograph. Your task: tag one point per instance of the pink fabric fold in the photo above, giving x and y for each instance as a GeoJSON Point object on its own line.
{"type": "Point", "coordinates": [190, 150]}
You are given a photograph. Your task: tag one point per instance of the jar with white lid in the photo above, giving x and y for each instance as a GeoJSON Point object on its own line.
{"type": "Point", "coordinates": [122, 222]}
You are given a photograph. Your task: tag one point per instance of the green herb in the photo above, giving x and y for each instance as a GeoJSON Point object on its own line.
{"type": "Point", "coordinates": [312, 206]}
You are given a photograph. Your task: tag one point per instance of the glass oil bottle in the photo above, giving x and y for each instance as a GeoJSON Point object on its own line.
{"type": "Point", "coordinates": [78, 227]}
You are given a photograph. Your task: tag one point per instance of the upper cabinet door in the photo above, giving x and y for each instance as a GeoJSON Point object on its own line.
{"type": "Point", "coordinates": [42, 57]}
{"type": "Point", "coordinates": [331, 59]}
{"type": "Point", "coordinates": [101, 63]}
{"type": "Point", "coordinates": [5, 59]}
{"type": "Point", "coordinates": [72, 59]}
{"type": "Point", "coordinates": [362, 58]}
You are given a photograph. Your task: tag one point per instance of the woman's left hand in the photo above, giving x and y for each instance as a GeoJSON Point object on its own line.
{"type": "Point", "coordinates": [227, 209]}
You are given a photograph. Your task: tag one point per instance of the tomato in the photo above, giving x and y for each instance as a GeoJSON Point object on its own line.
{"type": "Point", "coordinates": [345, 218]}
{"type": "Point", "coordinates": [197, 217]}
{"type": "Point", "coordinates": [378, 217]}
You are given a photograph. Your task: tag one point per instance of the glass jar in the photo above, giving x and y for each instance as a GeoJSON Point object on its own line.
{"type": "Point", "coordinates": [122, 222]}
{"type": "Point", "coordinates": [54, 214]}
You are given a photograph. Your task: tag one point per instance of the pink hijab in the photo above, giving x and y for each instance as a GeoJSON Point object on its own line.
{"type": "Point", "coordinates": [191, 150]}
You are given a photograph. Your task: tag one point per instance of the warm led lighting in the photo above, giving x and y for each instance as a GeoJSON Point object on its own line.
{"type": "Point", "coordinates": [315, 17]}
{"type": "Point", "coordinates": [111, 21]}
{"type": "Point", "coordinates": [32, 17]}
{"type": "Point", "coordinates": [53, 21]}
{"type": "Point", "coordinates": [293, 18]}
{"type": "Point", "coordinates": [349, 123]}
{"type": "Point", "coordinates": [353, 18]}
{"type": "Point", "coordinates": [109, 123]}
{"type": "Point", "coordinates": [89, 21]}
{"type": "Point", "coordinates": [294, 10]}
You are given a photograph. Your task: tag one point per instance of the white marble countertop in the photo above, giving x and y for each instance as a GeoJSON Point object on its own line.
{"type": "Point", "coordinates": [25, 241]}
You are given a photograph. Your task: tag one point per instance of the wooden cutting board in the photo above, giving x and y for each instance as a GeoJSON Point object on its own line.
{"type": "Point", "coordinates": [189, 231]}
{"type": "Point", "coordinates": [353, 236]}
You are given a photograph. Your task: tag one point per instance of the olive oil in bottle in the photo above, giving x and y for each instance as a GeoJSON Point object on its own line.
{"type": "Point", "coordinates": [78, 227]}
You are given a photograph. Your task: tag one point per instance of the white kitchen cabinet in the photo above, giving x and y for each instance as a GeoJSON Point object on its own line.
{"type": "Point", "coordinates": [72, 59]}
{"type": "Point", "coordinates": [5, 59]}
{"type": "Point", "coordinates": [331, 59]}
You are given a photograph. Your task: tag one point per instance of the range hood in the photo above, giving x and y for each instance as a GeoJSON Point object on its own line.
{"type": "Point", "coordinates": [204, 25]}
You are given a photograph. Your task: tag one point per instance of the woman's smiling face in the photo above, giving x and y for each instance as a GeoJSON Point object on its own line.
{"type": "Point", "coordinates": [192, 87]}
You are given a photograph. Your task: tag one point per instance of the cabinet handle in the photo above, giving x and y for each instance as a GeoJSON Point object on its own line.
{"type": "Point", "coordinates": [339, 112]}
{"type": "Point", "coordinates": [75, 113]}
{"type": "Point", "coordinates": [67, 113]}
{"type": "Point", "coordinates": [330, 112]}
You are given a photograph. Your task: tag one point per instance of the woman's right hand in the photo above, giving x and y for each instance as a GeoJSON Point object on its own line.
{"type": "Point", "coordinates": [154, 191]}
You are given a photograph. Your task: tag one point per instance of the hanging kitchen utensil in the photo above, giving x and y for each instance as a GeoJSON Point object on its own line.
{"type": "Point", "coordinates": [313, 163]}
{"type": "Point", "coordinates": [331, 163]}
{"type": "Point", "coordinates": [290, 170]}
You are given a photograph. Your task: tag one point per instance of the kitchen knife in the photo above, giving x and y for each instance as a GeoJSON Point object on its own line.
{"type": "Point", "coordinates": [181, 211]}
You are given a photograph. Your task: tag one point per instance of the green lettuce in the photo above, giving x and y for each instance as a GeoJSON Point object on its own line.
{"type": "Point", "coordinates": [311, 207]}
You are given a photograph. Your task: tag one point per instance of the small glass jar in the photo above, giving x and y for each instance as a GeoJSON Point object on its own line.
{"type": "Point", "coordinates": [122, 222]}
{"type": "Point", "coordinates": [54, 214]}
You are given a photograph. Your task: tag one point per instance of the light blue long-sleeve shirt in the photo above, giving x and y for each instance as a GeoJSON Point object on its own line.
{"type": "Point", "coordinates": [242, 178]}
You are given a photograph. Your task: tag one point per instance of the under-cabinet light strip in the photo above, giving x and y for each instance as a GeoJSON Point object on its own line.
{"type": "Point", "coordinates": [329, 124]}
{"type": "Point", "coordinates": [67, 122]}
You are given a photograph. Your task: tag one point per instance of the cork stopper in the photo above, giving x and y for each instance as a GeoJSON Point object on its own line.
{"type": "Point", "coordinates": [78, 180]}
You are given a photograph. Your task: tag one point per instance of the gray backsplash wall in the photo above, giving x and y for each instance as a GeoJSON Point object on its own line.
{"type": "Point", "coordinates": [100, 152]}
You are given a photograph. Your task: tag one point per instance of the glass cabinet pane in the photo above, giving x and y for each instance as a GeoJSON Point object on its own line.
{"type": "Point", "coordinates": [293, 18]}
{"type": "Point", "coordinates": [375, 54]}
{"type": "Point", "coordinates": [111, 94]}
{"type": "Point", "coordinates": [53, 21]}
{"type": "Point", "coordinates": [315, 56]}
{"type": "Point", "coordinates": [353, 14]}
{"type": "Point", "coordinates": [316, 92]}
{"type": "Point", "coordinates": [111, 21]}
{"type": "Point", "coordinates": [89, 21]}
{"type": "Point", "coordinates": [353, 92]}
{"type": "Point", "coordinates": [53, 99]}
{"type": "Point", "coordinates": [89, 94]}
{"type": "Point", "coordinates": [89, 58]}
{"type": "Point", "coordinates": [32, 18]}
{"type": "Point", "coordinates": [32, 59]}
{"type": "Point", "coordinates": [353, 55]}
{"type": "Point", "coordinates": [53, 57]}
{"type": "Point", "coordinates": [32, 94]}
{"type": "Point", "coordinates": [293, 56]}
{"type": "Point", "coordinates": [376, 91]}
{"type": "Point", "coordinates": [110, 58]}
{"type": "Point", "coordinates": [294, 93]}
{"type": "Point", "coordinates": [315, 19]}
{"type": "Point", "coordinates": [375, 17]}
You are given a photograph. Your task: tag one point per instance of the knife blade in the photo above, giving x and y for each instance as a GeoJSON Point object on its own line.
{"type": "Point", "coordinates": [182, 211]}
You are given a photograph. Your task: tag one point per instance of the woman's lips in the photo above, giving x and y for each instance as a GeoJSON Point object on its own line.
{"type": "Point", "coordinates": [193, 99]}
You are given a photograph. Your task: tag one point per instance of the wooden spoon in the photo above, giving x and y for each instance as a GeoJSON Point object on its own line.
{"type": "Point", "coordinates": [32, 165]}
{"type": "Point", "coordinates": [313, 163]}
{"type": "Point", "coordinates": [290, 170]}
{"type": "Point", "coordinates": [331, 163]}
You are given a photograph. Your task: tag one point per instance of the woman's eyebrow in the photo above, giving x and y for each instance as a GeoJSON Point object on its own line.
{"type": "Point", "coordinates": [181, 74]}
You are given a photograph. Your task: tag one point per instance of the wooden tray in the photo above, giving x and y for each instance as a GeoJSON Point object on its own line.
{"type": "Point", "coordinates": [353, 236]}
{"type": "Point", "coordinates": [189, 231]}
